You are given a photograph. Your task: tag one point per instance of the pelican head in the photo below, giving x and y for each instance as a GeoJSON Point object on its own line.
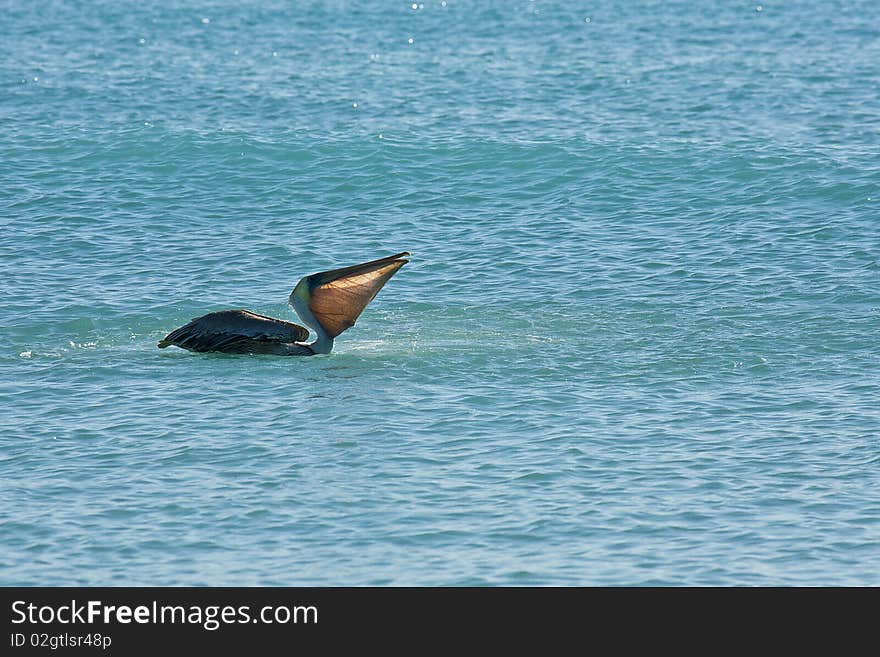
{"type": "Point", "coordinates": [330, 302]}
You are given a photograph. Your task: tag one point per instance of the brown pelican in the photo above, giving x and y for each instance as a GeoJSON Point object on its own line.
{"type": "Point", "coordinates": [328, 302]}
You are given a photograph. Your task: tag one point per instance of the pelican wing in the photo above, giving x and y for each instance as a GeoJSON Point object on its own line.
{"type": "Point", "coordinates": [235, 331]}
{"type": "Point", "coordinates": [338, 297]}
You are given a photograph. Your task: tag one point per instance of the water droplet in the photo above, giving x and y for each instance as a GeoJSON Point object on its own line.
{"type": "Point", "coordinates": [587, 19]}
{"type": "Point", "coordinates": [381, 137]}
{"type": "Point", "coordinates": [36, 79]}
{"type": "Point", "coordinates": [443, 4]}
{"type": "Point", "coordinates": [759, 8]}
{"type": "Point", "coordinates": [415, 6]}
{"type": "Point", "coordinates": [274, 53]}
{"type": "Point", "coordinates": [205, 21]}
{"type": "Point", "coordinates": [142, 41]}
{"type": "Point", "coordinates": [354, 105]}
{"type": "Point", "coordinates": [410, 40]}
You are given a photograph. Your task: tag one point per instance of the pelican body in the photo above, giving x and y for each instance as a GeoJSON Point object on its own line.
{"type": "Point", "coordinates": [328, 302]}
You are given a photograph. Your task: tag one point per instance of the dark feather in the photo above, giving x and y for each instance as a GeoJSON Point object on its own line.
{"type": "Point", "coordinates": [237, 332]}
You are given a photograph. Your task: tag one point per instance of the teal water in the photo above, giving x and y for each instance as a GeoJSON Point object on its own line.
{"type": "Point", "coordinates": [637, 342]}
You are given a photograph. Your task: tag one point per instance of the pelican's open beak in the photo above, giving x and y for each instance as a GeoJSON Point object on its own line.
{"type": "Point", "coordinates": [338, 297]}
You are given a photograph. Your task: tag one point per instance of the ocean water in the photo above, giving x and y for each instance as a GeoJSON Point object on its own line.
{"type": "Point", "coordinates": [638, 341]}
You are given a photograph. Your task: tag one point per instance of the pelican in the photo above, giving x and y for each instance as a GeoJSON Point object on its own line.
{"type": "Point", "coordinates": [328, 302]}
